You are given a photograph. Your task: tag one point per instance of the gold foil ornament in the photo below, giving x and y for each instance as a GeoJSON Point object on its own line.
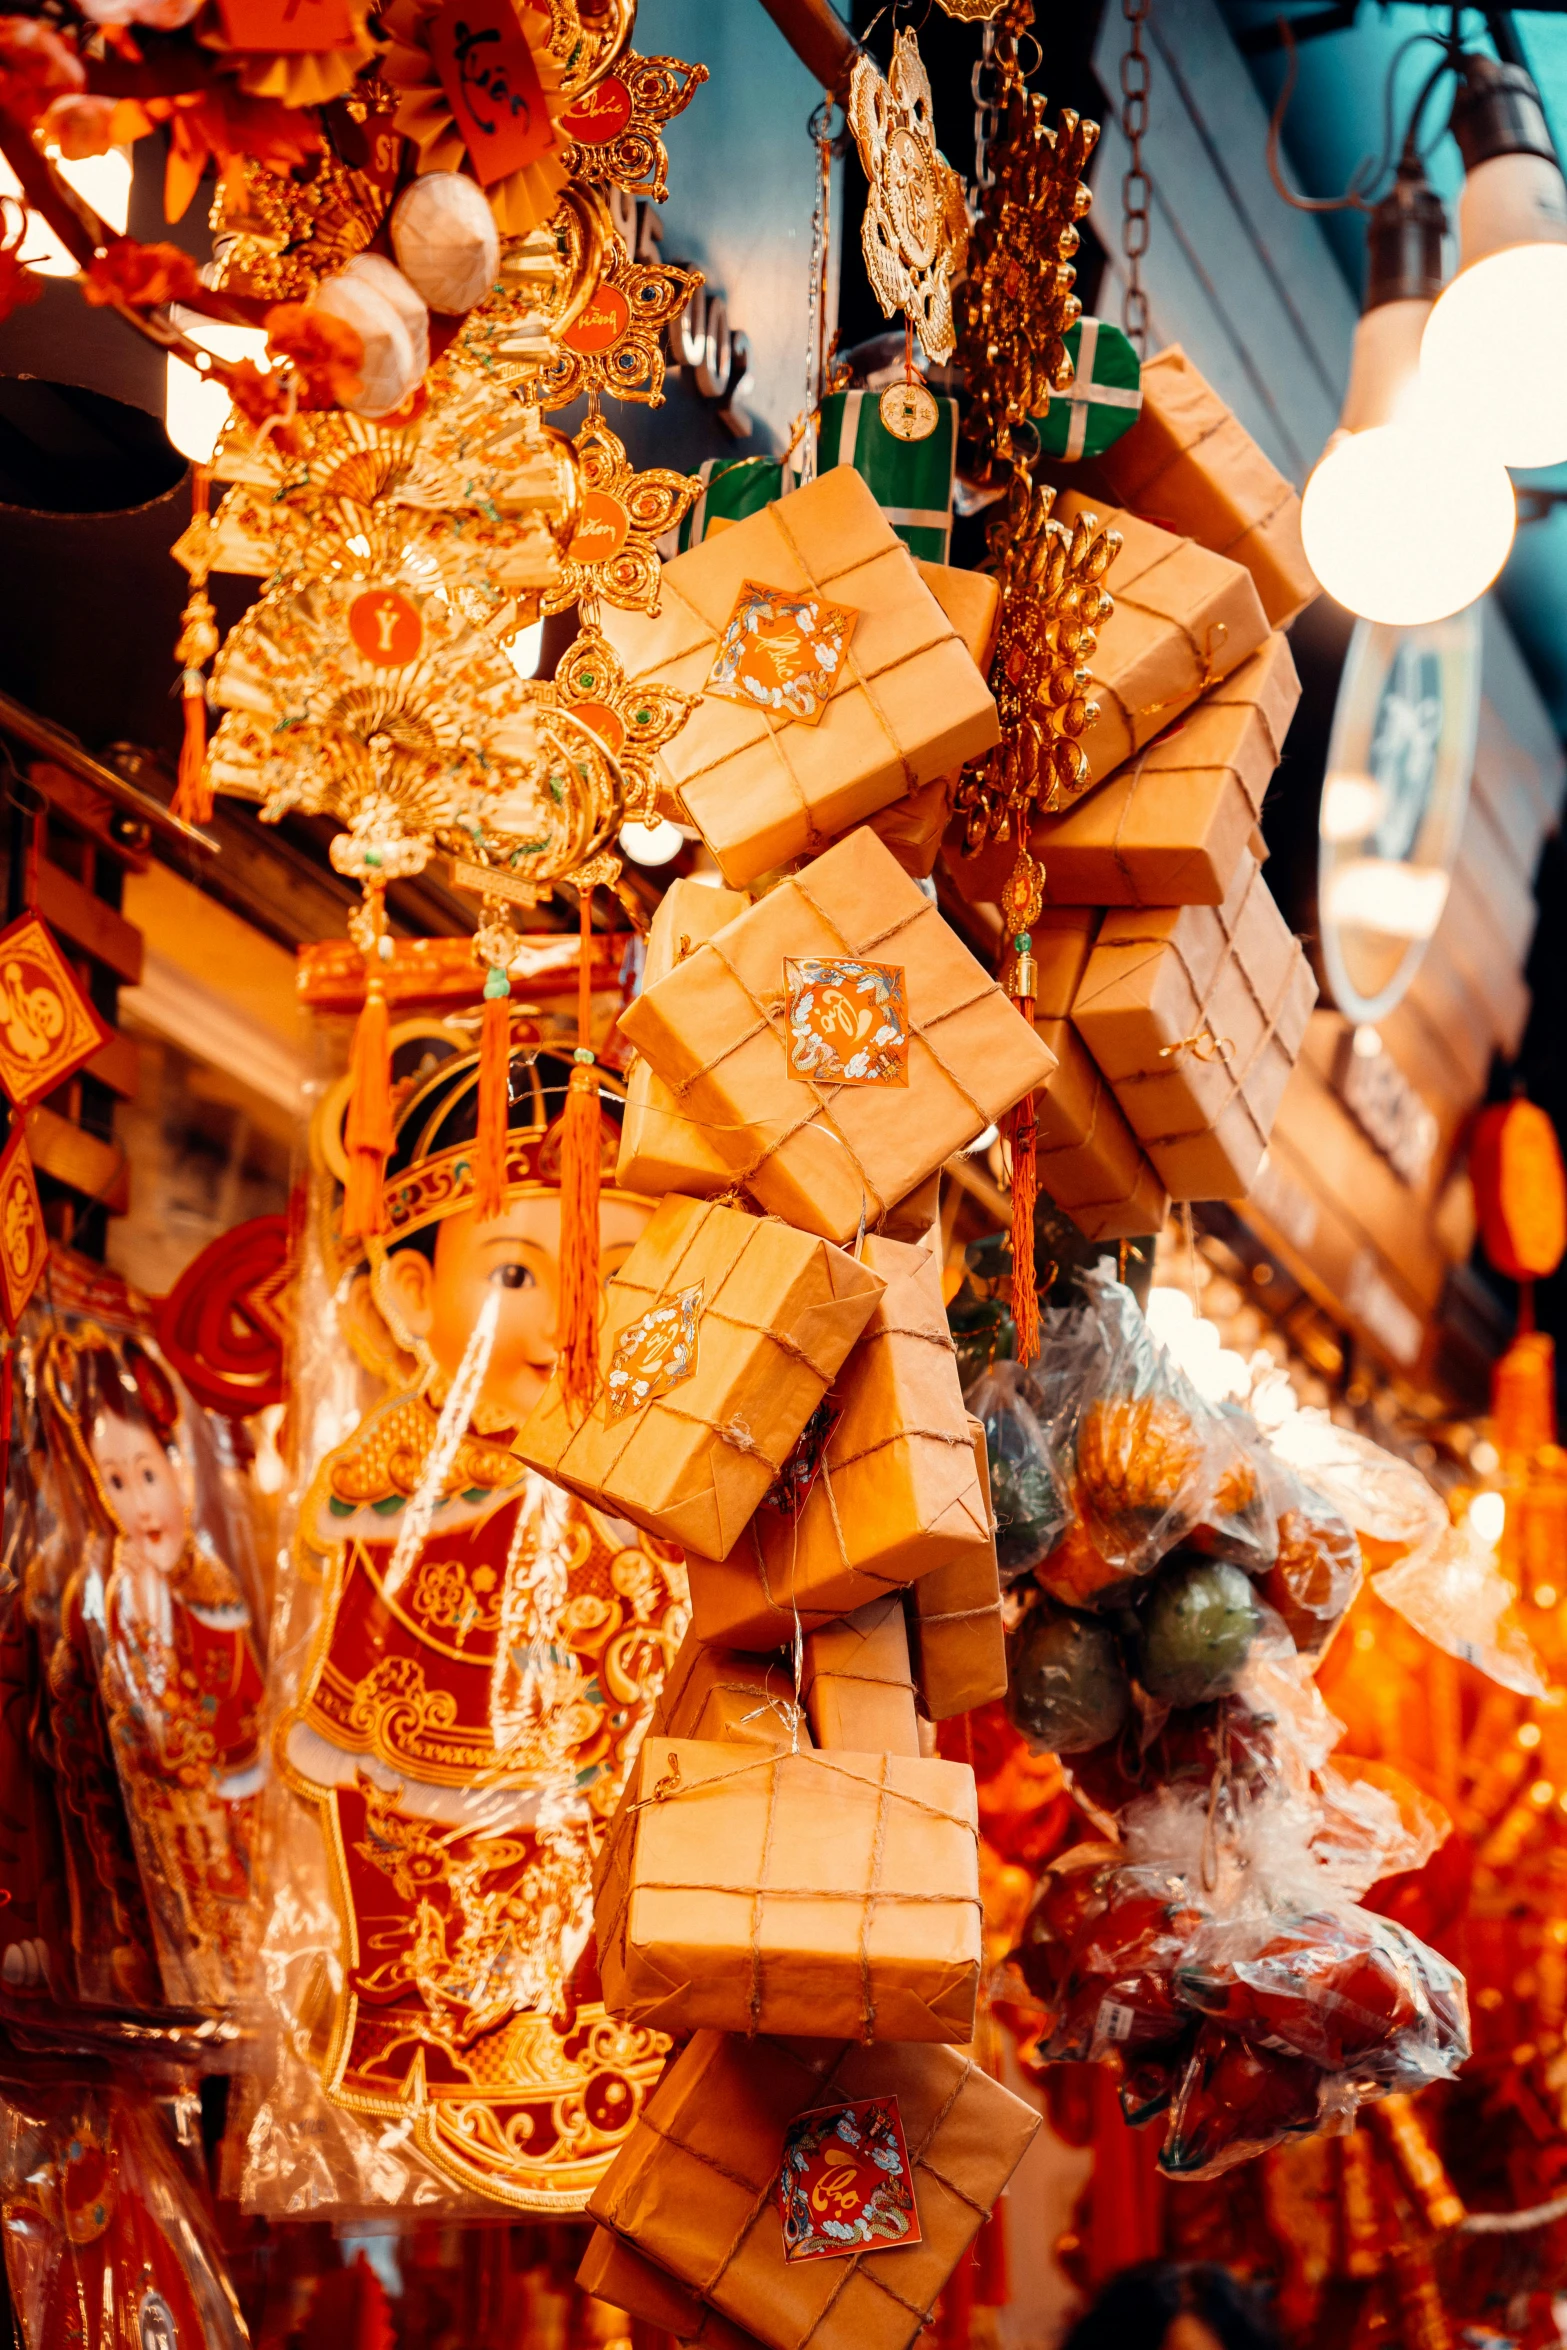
{"type": "Point", "coordinates": [633, 720]}
{"type": "Point", "coordinates": [616, 342]}
{"type": "Point", "coordinates": [1052, 608]}
{"type": "Point", "coordinates": [613, 551]}
{"type": "Point", "coordinates": [915, 229]}
{"type": "Point", "coordinates": [615, 128]}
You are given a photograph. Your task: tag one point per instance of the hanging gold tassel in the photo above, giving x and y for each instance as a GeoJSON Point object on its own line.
{"type": "Point", "coordinates": [489, 1148]}
{"type": "Point", "coordinates": [581, 1150]}
{"type": "Point", "coordinates": [194, 648]}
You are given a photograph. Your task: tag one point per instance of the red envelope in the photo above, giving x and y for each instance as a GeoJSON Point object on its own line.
{"type": "Point", "coordinates": [492, 86]}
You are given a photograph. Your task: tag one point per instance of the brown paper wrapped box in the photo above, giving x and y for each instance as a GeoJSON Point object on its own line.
{"type": "Point", "coordinates": [909, 705]}
{"type": "Point", "coordinates": [729, 1329]}
{"type": "Point", "coordinates": [1190, 463]}
{"type": "Point", "coordinates": [954, 1618]}
{"type": "Point", "coordinates": [891, 1495]}
{"type": "Point", "coordinates": [1168, 828]}
{"type": "Point", "coordinates": [724, 1027]}
{"type": "Point", "coordinates": [859, 1684]}
{"type": "Point", "coordinates": [732, 1699]}
{"type": "Point", "coordinates": [695, 2187]}
{"type": "Point", "coordinates": [613, 2272]}
{"type": "Point", "coordinates": [912, 827]}
{"type": "Point", "coordinates": [661, 1149]}
{"type": "Point", "coordinates": [1183, 619]}
{"type": "Point", "coordinates": [1089, 1160]}
{"type": "Point", "coordinates": [722, 1698]}
{"type": "Point", "coordinates": [1196, 1015]}
{"type": "Point", "coordinates": [836, 1894]}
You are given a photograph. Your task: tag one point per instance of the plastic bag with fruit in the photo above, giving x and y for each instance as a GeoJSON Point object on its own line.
{"type": "Point", "coordinates": [1145, 1463]}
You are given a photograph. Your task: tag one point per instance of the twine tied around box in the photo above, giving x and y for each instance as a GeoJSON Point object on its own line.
{"type": "Point", "coordinates": [861, 676]}
{"type": "Point", "coordinates": [1203, 656]}
{"type": "Point", "coordinates": [770, 1016]}
{"type": "Point", "coordinates": [670, 1787]}
{"type": "Point", "coordinates": [1270, 1016]}
{"type": "Point", "coordinates": [820, 2091]}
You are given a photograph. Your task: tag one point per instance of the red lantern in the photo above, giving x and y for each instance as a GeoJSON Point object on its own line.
{"type": "Point", "coordinates": [1515, 1164]}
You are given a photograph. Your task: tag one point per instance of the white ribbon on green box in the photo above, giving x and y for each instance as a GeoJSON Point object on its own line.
{"type": "Point", "coordinates": [732, 488]}
{"type": "Point", "coordinates": [911, 481]}
{"type": "Point", "coordinates": [1106, 395]}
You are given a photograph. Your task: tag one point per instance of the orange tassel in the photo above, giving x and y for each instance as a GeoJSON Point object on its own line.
{"type": "Point", "coordinates": [367, 1131]}
{"type": "Point", "coordinates": [193, 794]}
{"type": "Point", "coordinates": [198, 641]}
{"type": "Point", "coordinates": [489, 1149]}
{"type": "Point", "coordinates": [1025, 1198]}
{"type": "Point", "coordinates": [577, 1327]}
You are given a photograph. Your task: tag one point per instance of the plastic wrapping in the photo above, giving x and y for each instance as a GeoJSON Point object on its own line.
{"type": "Point", "coordinates": [1026, 1501]}
{"type": "Point", "coordinates": [465, 1658]}
{"type": "Point", "coordinates": [109, 2238]}
{"type": "Point", "coordinates": [1067, 1688]}
{"type": "Point", "coordinates": [1147, 1465]}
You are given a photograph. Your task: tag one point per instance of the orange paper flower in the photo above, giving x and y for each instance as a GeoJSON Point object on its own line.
{"type": "Point", "coordinates": [218, 126]}
{"type": "Point", "coordinates": [142, 277]}
{"type": "Point", "coordinates": [325, 353]}
{"type": "Point", "coordinates": [35, 66]}
{"type": "Point", "coordinates": [80, 124]}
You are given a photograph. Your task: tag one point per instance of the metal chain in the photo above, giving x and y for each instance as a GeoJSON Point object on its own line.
{"type": "Point", "coordinates": [985, 84]}
{"type": "Point", "coordinates": [1135, 188]}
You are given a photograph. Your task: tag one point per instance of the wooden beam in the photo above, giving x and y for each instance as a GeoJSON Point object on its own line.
{"type": "Point", "coordinates": [88, 923]}
{"type": "Point", "coordinates": [98, 1170]}
{"type": "Point", "coordinates": [53, 742]}
{"type": "Point", "coordinates": [117, 1065]}
{"type": "Point", "coordinates": [819, 38]}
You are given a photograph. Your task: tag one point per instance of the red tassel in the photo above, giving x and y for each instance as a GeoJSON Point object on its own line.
{"type": "Point", "coordinates": [1025, 1197]}
{"type": "Point", "coordinates": [577, 1325]}
{"type": "Point", "coordinates": [193, 793]}
{"type": "Point", "coordinates": [367, 1131]}
{"type": "Point", "coordinates": [489, 1149]}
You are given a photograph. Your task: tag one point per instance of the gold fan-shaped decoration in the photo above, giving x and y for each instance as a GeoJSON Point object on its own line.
{"type": "Point", "coordinates": [547, 279]}
{"type": "Point", "coordinates": [613, 552]}
{"type": "Point", "coordinates": [283, 236]}
{"type": "Point", "coordinates": [365, 699]}
{"type": "Point", "coordinates": [553, 798]}
{"type": "Point", "coordinates": [584, 44]}
{"type": "Point", "coordinates": [1052, 609]}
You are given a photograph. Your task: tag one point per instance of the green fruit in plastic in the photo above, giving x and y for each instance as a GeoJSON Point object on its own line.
{"type": "Point", "coordinates": [1198, 1624]}
{"type": "Point", "coordinates": [1066, 1685]}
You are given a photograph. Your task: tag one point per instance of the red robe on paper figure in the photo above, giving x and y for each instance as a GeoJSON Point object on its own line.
{"type": "Point", "coordinates": [487, 1653]}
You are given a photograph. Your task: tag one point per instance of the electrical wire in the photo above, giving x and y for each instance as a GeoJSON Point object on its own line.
{"type": "Point", "coordinates": [1370, 172]}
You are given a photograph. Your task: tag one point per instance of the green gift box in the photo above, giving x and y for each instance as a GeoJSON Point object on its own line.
{"type": "Point", "coordinates": [911, 481]}
{"type": "Point", "coordinates": [1106, 393]}
{"type": "Point", "coordinates": [732, 488]}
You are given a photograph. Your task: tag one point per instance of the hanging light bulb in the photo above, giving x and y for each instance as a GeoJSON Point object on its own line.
{"type": "Point", "coordinates": [196, 407]}
{"type": "Point", "coordinates": [1495, 349]}
{"type": "Point", "coordinates": [1405, 519]}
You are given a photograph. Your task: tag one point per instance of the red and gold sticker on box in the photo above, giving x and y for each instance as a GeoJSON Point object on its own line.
{"type": "Point", "coordinates": [492, 87]}
{"type": "Point", "coordinates": [24, 1244]}
{"type": "Point", "coordinates": [847, 2184]}
{"type": "Point", "coordinates": [654, 1355]}
{"type": "Point", "coordinates": [848, 1021]}
{"type": "Point", "coordinates": [47, 1026]}
{"type": "Point", "coordinates": [782, 652]}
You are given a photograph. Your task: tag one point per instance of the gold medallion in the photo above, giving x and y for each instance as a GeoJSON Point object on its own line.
{"type": "Point", "coordinates": [915, 230]}
{"type": "Point", "coordinates": [910, 411]}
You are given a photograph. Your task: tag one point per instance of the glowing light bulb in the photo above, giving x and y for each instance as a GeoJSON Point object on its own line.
{"type": "Point", "coordinates": [1512, 308]}
{"type": "Point", "coordinates": [1401, 525]}
{"type": "Point", "coordinates": [1487, 1516]}
{"type": "Point", "coordinates": [652, 844]}
{"type": "Point", "coordinates": [195, 406]}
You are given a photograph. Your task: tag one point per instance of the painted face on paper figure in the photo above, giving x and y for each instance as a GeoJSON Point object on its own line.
{"type": "Point", "coordinates": [519, 1253]}
{"type": "Point", "coordinates": [143, 1490]}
